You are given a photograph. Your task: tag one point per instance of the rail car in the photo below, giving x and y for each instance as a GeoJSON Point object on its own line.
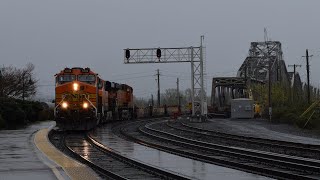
{"type": "Point", "coordinates": [83, 100]}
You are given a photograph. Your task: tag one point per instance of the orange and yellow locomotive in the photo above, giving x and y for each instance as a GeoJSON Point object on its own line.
{"type": "Point", "coordinates": [83, 100]}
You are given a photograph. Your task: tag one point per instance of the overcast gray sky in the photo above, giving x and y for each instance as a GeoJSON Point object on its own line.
{"type": "Point", "coordinates": [53, 34]}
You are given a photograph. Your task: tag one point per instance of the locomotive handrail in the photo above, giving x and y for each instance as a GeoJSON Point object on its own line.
{"type": "Point", "coordinates": [55, 109]}
{"type": "Point", "coordinates": [95, 108]}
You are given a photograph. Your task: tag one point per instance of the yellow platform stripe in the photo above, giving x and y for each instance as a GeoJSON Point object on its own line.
{"type": "Point", "coordinates": [74, 169]}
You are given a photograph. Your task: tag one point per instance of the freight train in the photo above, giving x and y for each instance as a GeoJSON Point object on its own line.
{"type": "Point", "coordinates": [83, 100]}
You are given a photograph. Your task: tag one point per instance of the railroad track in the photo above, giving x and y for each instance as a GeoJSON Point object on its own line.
{"type": "Point", "coordinates": [277, 146]}
{"type": "Point", "coordinates": [264, 163]}
{"type": "Point", "coordinates": [108, 163]}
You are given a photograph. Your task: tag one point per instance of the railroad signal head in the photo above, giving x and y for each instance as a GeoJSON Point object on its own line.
{"type": "Point", "coordinates": [127, 54]}
{"type": "Point", "coordinates": [158, 52]}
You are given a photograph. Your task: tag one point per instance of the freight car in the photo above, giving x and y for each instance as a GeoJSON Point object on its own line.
{"type": "Point", "coordinates": [83, 100]}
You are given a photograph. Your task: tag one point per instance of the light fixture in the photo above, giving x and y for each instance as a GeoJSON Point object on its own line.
{"type": "Point", "coordinates": [85, 105]}
{"type": "Point", "coordinates": [64, 105]}
{"type": "Point", "coordinates": [75, 86]}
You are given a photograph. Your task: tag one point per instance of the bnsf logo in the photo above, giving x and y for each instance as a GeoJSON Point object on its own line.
{"type": "Point", "coordinates": [76, 96]}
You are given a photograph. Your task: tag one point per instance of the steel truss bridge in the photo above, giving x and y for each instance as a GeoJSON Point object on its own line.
{"type": "Point", "coordinates": [254, 70]}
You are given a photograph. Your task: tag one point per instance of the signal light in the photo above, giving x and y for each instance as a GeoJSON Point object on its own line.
{"type": "Point", "coordinates": [127, 54]}
{"type": "Point", "coordinates": [159, 53]}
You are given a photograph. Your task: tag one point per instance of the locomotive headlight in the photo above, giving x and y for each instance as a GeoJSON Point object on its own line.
{"type": "Point", "coordinates": [85, 105]}
{"type": "Point", "coordinates": [75, 86]}
{"type": "Point", "coordinates": [64, 105]}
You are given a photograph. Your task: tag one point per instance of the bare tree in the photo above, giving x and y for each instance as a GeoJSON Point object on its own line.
{"type": "Point", "coordinates": [18, 83]}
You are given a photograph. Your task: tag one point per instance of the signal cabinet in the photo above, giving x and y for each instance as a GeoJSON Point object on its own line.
{"type": "Point", "coordinates": [242, 108]}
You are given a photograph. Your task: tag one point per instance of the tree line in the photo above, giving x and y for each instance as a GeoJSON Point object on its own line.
{"type": "Point", "coordinates": [287, 103]}
{"type": "Point", "coordinates": [17, 87]}
{"type": "Point", "coordinates": [18, 82]}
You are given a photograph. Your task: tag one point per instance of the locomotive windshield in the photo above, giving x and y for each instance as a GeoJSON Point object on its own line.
{"type": "Point", "coordinates": [88, 78]}
{"type": "Point", "coordinates": [66, 78]}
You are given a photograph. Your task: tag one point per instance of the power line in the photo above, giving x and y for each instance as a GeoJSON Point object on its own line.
{"type": "Point", "coordinates": [175, 77]}
{"type": "Point", "coordinates": [127, 74]}
{"type": "Point", "coordinates": [130, 78]}
{"type": "Point", "coordinates": [294, 67]}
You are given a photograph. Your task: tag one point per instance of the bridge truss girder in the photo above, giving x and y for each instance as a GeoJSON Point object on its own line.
{"type": "Point", "coordinates": [256, 65]}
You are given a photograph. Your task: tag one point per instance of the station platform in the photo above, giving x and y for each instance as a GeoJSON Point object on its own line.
{"type": "Point", "coordinates": [72, 168]}
{"type": "Point", "coordinates": [21, 158]}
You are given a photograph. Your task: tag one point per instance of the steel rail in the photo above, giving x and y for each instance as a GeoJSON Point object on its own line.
{"type": "Point", "coordinates": [149, 168]}
{"type": "Point", "coordinates": [282, 174]}
{"type": "Point", "coordinates": [256, 141]}
{"type": "Point", "coordinates": [92, 164]}
{"type": "Point", "coordinates": [273, 158]}
{"type": "Point", "coordinates": [218, 161]}
{"type": "Point", "coordinates": [299, 146]}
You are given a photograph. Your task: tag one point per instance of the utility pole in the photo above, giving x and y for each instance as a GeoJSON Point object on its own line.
{"type": "Point", "coordinates": [294, 75]}
{"type": "Point", "coordinates": [158, 75]}
{"type": "Point", "coordinates": [308, 75]}
{"type": "Point", "coordinates": [178, 96]}
{"type": "Point", "coordinates": [269, 71]}
{"type": "Point", "coordinates": [152, 100]}
{"type": "Point", "coordinates": [269, 91]}
{"type": "Point", "coordinates": [294, 67]}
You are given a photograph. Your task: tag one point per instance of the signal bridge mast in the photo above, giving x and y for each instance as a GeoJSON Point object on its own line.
{"type": "Point", "coordinates": [191, 54]}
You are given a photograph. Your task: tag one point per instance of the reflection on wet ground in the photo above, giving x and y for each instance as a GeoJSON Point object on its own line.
{"type": "Point", "coordinates": [18, 157]}
{"type": "Point", "coordinates": [262, 129]}
{"type": "Point", "coordinates": [185, 166]}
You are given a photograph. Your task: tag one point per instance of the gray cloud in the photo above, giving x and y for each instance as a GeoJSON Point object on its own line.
{"type": "Point", "coordinates": [60, 33]}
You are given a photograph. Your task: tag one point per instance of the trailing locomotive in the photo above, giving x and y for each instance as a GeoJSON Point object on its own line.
{"type": "Point", "coordinates": [83, 100]}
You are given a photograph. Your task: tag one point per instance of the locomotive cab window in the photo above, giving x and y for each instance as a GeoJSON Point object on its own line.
{"type": "Point", "coordinates": [66, 78]}
{"type": "Point", "coordinates": [87, 78]}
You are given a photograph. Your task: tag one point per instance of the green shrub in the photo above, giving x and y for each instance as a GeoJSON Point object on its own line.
{"type": "Point", "coordinates": [46, 114]}
{"type": "Point", "coordinates": [16, 113]}
{"type": "Point", "coordinates": [32, 109]}
{"type": "Point", "coordinates": [289, 114]}
{"type": "Point", "coordinates": [15, 117]}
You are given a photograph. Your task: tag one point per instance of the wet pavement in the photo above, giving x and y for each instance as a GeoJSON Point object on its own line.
{"type": "Point", "coordinates": [19, 158]}
{"type": "Point", "coordinates": [260, 128]}
{"type": "Point", "coordinates": [188, 167]}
